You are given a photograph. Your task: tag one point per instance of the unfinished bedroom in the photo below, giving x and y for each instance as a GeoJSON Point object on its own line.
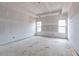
{"type": "Point", "coordinates": [39, 28]}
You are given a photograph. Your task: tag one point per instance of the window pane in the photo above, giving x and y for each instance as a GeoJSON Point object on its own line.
{"type": "Point", "coordinates": [38, 23]}
{"type": "Point", "coordinates": [39, 29]}
{"type": "Point", "coordinates": [61, 29]}
{"type": "Point", "coordinates": [62, 23]}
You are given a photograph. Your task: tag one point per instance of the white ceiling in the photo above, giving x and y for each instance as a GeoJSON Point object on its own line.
{"type": "Point", "coordinates": [37, 8]}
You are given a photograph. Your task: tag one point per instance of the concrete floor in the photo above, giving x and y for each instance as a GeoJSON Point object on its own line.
{"type": "Point", "coordinates": [38, 46]}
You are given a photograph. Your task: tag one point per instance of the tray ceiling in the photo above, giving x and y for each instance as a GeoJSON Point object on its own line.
{"type": "Point", "coordinates": [37, 8]}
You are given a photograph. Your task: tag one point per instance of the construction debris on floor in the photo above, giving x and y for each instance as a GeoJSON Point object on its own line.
{"type": "Point", "coordinates": [38, 46]}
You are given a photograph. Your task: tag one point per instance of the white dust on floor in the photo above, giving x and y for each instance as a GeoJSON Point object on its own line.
{"type": "Point", "coordinates": [38, 46]}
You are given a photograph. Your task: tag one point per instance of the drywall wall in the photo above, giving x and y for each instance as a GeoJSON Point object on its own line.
{"type": "Point", "coordinates": [50, 26]}
{"type": "Point", "coordinates": [15, 25]}
{"type": "Point", "coordinates": [73, 26]}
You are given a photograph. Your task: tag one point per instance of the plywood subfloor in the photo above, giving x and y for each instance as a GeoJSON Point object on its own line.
{"type": "Point", "coordinates": [38, 46]}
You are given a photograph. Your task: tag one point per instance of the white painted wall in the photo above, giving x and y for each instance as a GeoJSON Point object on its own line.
{"type": "Point", "coordinates": [73, 26]}
{"type": "Point", "coordinates": [15, 24]}
{"type": "Point", "coordinates": [50, 26]}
